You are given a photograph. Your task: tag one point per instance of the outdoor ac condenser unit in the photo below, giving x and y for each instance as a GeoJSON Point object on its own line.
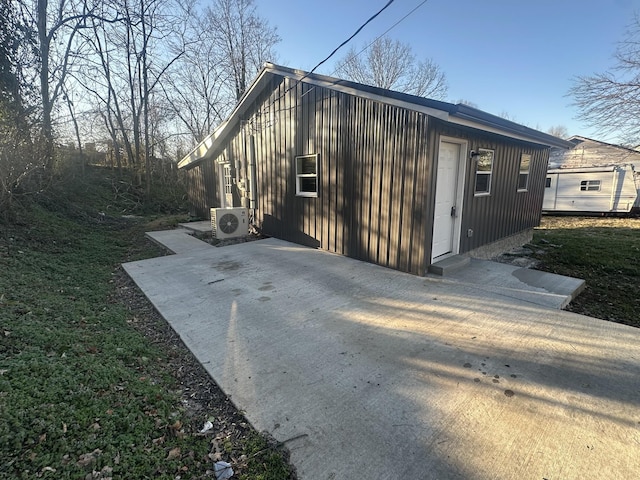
{"type": "Point", "coordinates": [229, 222]}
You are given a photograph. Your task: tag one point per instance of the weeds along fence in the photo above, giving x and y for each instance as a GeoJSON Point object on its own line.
{"type": "Point", "coordinates": [23, 171]}
{"type": "Point", "coordinates": [23, 178]}
{"type": "Point", "coordinates": [128, 182]}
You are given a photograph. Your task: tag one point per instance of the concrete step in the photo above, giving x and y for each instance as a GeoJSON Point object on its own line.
{"type": "Point", "coordinates": [449, 265]}
{"type": "Point", "coordinates": [198, 227]}
{"type": "Point", "coordinates": [178, 240]}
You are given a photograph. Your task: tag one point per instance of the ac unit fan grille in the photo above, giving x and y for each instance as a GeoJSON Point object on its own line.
{"type": "Point", "coordinates": [228, 223]}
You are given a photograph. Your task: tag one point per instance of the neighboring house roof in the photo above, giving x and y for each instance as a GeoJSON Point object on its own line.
{"type": "Point", "coordinates": [588, 152]}
{"type": "Point", "coordinates": [459, 114]}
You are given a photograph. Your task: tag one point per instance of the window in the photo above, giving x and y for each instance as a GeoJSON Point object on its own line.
{"type": "Point", "coordinates": [307, 175]}
{"type": "Point", "coordinates": [484, 167]}
{"type": "Point", "coordinates": [547, 184]}
{"type": "Point", "coordinates": [523, 177]}
{"type": "Point", "coordinates": [228, 179]}
{"type": "Point", "coordinates": [590, 186]}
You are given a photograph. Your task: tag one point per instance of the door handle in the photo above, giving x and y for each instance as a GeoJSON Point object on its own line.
{"type": "Point", "coordinates": [453, 211]}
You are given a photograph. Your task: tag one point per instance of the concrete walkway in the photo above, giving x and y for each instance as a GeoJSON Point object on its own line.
{"type": "Point", "coordinates": [376, 374]}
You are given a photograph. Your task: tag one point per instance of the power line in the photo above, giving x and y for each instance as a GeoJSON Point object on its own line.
{"type": "Point", "coordinates": [331, 54]}
{"type": "Point", "coordinates": [388, 30]}
{"type": "Point", "coordinates": [264, 109]}
{"type": "Point", "coordinates": [351, 37]}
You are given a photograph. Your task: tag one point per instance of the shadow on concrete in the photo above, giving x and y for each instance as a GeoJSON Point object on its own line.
{"type": "Point", "coordinates": [388, 375]}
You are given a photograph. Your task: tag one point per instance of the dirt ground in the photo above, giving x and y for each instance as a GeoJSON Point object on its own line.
{"type": "Point", "coordinates": [549, 222]}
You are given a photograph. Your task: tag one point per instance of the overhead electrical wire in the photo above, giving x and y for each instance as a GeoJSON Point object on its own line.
{"type": "Point", "coordinates": [389, 29]}
{"type": "Point", "coordinates": [344, 43]}
{"type": "Point", "coordinates": [331, 54]}
{"type": "Point", "coordinates": [351, 37]}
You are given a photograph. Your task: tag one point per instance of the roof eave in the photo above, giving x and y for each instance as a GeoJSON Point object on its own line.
{"type": "Point", "coordinates": [471, 116]}
{"type": "Point", "coordinates": [457, 114]}
{"type": "Point", "coordinates": [207, 148]}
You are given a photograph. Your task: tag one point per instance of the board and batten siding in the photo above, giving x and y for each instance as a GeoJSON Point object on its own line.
{"type": "Point", "coordinates": [376, 175]}
{"type": "Point", "coordinates": [372, 202]}
{"type": "Point", "coordinates": [505, 211]}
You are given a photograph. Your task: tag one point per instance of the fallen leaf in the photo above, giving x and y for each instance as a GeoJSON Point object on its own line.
{"type": "Point", "coordinates": [88, 458]}
{"type": "Point", "coordinates": [174, 453]}
{"type": "Point", "coordinates": [159, 440]}
{"type": "Point", "coordinates": [216, 456]}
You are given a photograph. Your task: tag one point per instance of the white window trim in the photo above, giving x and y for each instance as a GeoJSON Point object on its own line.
{"type": "Point", "coordinates": [227, 180]}
{"type": "Point", "coordinates": [489, 174]}
{"type": "Point", "coordinates": [300, 193]}
{"type": "Point", "coordinates": [590, 183]}
{"type": "Point", "coordinates": [524, 172]}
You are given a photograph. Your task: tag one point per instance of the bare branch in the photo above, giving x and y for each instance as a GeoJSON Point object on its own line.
{"type": "Point", "coordinates": [392, 65]}
{"type": "Point", "coordinates": [610, 101]}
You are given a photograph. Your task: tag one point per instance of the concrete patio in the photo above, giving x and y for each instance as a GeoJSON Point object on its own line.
{"type": "Point", "coordinates": [379, 374]}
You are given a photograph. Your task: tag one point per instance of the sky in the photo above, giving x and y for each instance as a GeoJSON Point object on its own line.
{"type": "Point", "coordinates": [513, 57]}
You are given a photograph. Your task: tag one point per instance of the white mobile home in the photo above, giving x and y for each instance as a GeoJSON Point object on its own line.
{"type": "Point", "coordinates": [607, 189]}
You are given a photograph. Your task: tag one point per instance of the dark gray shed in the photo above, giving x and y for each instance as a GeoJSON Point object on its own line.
{"type": "Point", "coordinates": [389, 178]}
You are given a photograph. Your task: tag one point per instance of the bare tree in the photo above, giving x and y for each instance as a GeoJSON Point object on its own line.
{"type": "Point", "coordinates": [508, 116]}
{"type": "Point", "coordinates": [392, 65]}
{"type": "Point", "coordinates": [128, 60]}
{"type": "Point", "coordinates": [243, 40]}
{"type": "Point", "coordinates": [610, 101]}
{"type": "Point", "coordinates": [20, 159]}
{"type": "Point", "coordinates": [468, 103]}
{"type": "Point", "coordinates": [57, 26]}
{"type": "Point", "coordinates": [559, 131]}
{"type": "Point", "coordinates": [232, 44]}
{"type": "Point", "coordinates": [196, 90]}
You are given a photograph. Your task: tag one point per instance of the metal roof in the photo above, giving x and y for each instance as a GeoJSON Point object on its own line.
{"type": "Point", "coordinates": [459, 114]}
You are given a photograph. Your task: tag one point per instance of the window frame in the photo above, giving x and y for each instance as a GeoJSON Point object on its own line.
{"type": "Point", "coordinates": [227, 181]}
{"type": "Point", "coordinates": [489, 174]}
{"type": "Point", "coordinates": [524, 173]}
{"type": "Point", "coordinates": [586, 185]}
{"type": "Point", "coordinates": [300, 176]}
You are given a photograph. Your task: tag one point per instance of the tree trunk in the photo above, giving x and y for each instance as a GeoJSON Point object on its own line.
{"type": "Point", "coordinates": [145, 102]}
{"type": "Point", "coordinates": [47, 128]}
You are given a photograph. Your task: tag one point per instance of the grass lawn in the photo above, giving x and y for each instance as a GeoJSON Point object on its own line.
{"type": "Point", "coordinates": [601, 250]}
{"type": "Point", "coordinates": [84, 393]}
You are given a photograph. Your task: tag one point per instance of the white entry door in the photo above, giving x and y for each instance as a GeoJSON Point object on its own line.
{"type": "Point", "coordinates": [447, 210]}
